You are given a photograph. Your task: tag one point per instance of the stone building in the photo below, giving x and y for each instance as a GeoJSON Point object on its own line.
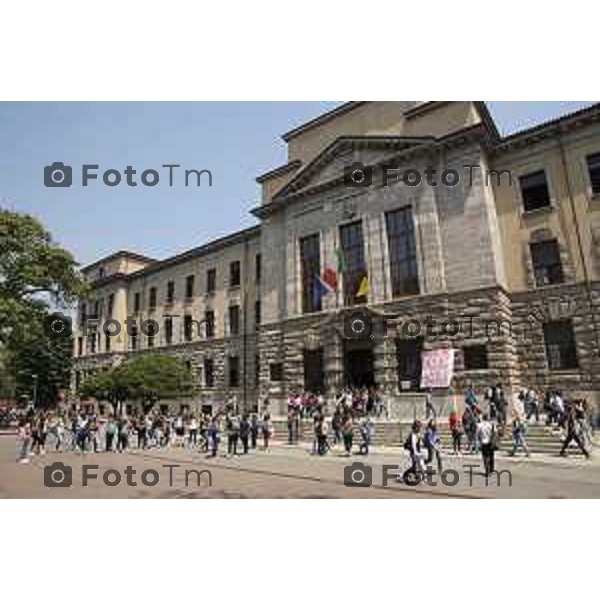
{"type": "Point", "coordinates": [415, 214]}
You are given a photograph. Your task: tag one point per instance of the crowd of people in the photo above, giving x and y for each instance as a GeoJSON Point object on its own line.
{"type": "Point", "coordinates": [85, 431]}
{"type": "Point", "coordinates": [346, 421]}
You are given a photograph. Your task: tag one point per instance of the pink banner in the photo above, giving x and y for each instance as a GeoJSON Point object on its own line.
{"type": "Point", "coordinates": [437, 368]}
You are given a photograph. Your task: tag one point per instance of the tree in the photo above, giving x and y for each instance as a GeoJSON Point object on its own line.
{"type": "Point", "coordinates": [34, 272]}
{"type": "Point", "coordinates": [36, 275]}
{"type": "Point", "coordinates": [147, 378]}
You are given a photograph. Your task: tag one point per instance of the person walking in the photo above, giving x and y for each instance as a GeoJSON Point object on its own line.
{"type": "Point", "coordinates": [487, 438]}
{"type": "Point", "coordinates": [415, 472]}
{"type": "Point", "coordinates": [518, 434]}
{"type": "Point", "coordinates": [366, 434]}
{"type": "Point", "coordinates": [574, 433]}
{"type": "Point", "coordinates": [193, 431]}
{"type": "Point", "coordinates": [429, 407]}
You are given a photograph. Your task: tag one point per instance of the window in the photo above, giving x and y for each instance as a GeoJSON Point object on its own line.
{"type": "Point", "coordinates": [107, 343]}
{"type": "Point", "coordinates": [211, 281]}
{"type": "Point", "coordinates": [189, 286]}
{"type": "Point", "coordinates": [111, 303]}
{"type": "Point", "coordinates": [257, 370]}
{"type": "Point", "coordinates": [593, 165]}
{"type": "Point", "coordinates": [100, 272]}
{"type": "Point", "coordinates": [170, 292]}
{"type": "Point", "coordinates": [314, 371]}
{"type": "Point", "coordinates": [187, 328]}
{"type": "Point", "coordinates": [534, 191]}
{"type": "Point", "coordinates": [310, 268]}
{"type": "Point", "coordinates": [475, 357]}
{"type": "Point", "coordinates": [134, 339]}
{"type": "Point", "coordinates": [83, 315]}
{"type": "Point", "coordinates": [79, 346]}
{"type": "Point", "coordinates": [234, 371]}
{"type": "Point", "coordinates": [547, 267]}
{"type": "Point", "coordinates": [96, 309]}
{"type": "Point", "coordinates": [209, 323]}
{"type": "Point", "coordinates": [234, 273]}
{"type": "Point", "coordinates": [257, 313]}
{"type": "Point", "coordinates": [354, 270]}
{"type": "Point", "coordinates": [559, 339]}
{"type": "Point", "coordinates": [257, 267]}
{"type": "Point", "coordinates": [276, 371]}
{"type": "Point", "coordinates": [136, 302]}
{"type": "Point", "coordinates": [402, 251]}
{"type": "Point", "coordinates": [151, 333]}
{"type": "Point", "coordinates": [209, 373]}
{"type": "Point", "coordinates": [152, 299]}
{"type": "Point", "coordinates": [408, 356]}
{"type": "Point", "coordinates": [234, 320]}
{"type": "Point", "coordinates": [169, 330]}
{"type": "Point", "coordinates": [93, 340]}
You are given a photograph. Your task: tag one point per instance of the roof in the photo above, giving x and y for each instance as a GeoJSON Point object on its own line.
{"type": "Point", "coordinates": [117, 255]}
{"type": "Point", "coordinates": [330, 114]}
{"type": "Point", "coordinates": [213, 246]}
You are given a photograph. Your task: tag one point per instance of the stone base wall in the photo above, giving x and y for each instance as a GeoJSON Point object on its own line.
{"type": "Point", "coordinates": [510, 327]}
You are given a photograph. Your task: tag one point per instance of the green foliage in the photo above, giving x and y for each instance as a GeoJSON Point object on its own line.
{"type": "Point", "coordinates": [34, 273]}
{"type": "Point", "coordinates": [147, 378]}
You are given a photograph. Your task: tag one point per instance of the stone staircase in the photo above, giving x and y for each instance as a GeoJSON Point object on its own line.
{"type": "Point", "coordinates": [540, 439]}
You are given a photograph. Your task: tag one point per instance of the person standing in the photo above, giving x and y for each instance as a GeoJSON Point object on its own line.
{"type": "Point", "coordinates": [518, 434]}
{"type": "Point", "coordinates": [193, 431]}
{"type": "Point", "coordinates": [109, 433]}
{"type": "Point", "coordinates": [429, 407]}
{"type": "Point", "coordinates": [24, 437]}
{"type": "Point", "coordinates": [487, 438]}
{"type": "Point", "coordinates": [253, 430]}
{"type": "Point", "coordinates": [233, 433]}
{"type": "Point", "coordinates": [267, 431]}
{"type": "Point", "coordinates": [245, 432]}
{"type": "Point", "coordinates": [348, 433]}
{"type": "Point", "coordinates": [432, 443]}
{"type": "Point", "coordinates": [213, 437]}
{"type": "Point", "coordinates": [456, 431]}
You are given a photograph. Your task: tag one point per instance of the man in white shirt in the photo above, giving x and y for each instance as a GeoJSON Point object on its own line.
{"type": "Point", "coordinates": [486, 434]}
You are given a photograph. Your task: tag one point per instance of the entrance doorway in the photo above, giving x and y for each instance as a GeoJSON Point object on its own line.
{"type": "Point", "coordinates": [359, 367]}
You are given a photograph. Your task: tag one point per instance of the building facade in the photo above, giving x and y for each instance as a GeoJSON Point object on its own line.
{"type": "Point", "coordinates": [414, 214]}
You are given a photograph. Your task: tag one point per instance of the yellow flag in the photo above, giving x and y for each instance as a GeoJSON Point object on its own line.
{"type": "Point", "coordinates": [363, 288]}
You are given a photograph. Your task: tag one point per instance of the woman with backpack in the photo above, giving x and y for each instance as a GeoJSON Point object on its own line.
{"type": "Point", "coordinates": [348, 433]}
{"type": "Point", "coordinates": [415, 472]}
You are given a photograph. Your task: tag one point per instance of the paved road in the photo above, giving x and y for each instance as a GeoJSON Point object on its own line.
{"type": "Point", "coordinates": [290, 473]}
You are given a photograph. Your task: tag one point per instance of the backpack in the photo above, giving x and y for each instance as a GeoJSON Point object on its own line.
{"type": "Point", "coordinates": [408, 442]}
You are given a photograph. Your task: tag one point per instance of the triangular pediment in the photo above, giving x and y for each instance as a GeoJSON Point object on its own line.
{"type": "Point", "coordinates": [328, 167]}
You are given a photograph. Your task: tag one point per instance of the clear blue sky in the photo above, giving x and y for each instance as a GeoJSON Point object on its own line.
{"type": "Point", "coordinates": [235, 140]}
